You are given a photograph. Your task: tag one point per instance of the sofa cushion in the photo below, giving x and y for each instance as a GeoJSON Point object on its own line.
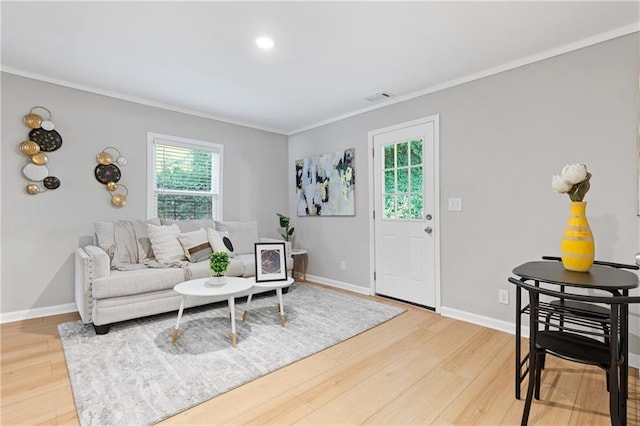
{"type": "Point", "coordinates": [165, 244]}
{"type": "Point", "coordinates": [124, 283]}
{"type": "Point", "coordinates": [195, 245]}
{"type": "Point", "coordinates": [220, 241]}
{"type": "Point", "coordinates": [243, 234]}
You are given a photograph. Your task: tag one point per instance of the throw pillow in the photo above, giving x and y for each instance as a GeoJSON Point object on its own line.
{"type": "Point", "coordinates": [220, 241]}
{"type": "Point", "coordinates": [243, 234]}
{"type": "Point", "coordinates": [165, 244]}
{"type": "Point", "coordinates": [195, 245]}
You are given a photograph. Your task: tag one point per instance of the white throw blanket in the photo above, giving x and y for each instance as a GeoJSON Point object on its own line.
{"type": "Point", "coordinates": [129, 255]}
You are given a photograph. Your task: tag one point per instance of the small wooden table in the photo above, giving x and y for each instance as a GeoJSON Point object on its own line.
{"type": "Point", "coordinates": [303, 255]}
{"type": "Point", "coordinates": [235, 286]}
{"type": "Point", "coordinates": [267, 285]}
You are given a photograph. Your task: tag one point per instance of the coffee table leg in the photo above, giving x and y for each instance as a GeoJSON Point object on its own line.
{"type": "Point", "coordinates": [245, 314]}
{"type": "Point", "coordinates": [281, 306]}
{"type": "Point", "coordinates": [232, 308]}
{"type": "Point", "coordinates": [175, 332]}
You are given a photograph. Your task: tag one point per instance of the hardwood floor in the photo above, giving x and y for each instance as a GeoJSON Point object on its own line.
{"type": "Point", "coordinates": [419, 368]}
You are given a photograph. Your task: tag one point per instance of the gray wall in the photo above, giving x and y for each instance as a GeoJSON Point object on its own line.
{"type": "Point", "coordinates": [501, 140]}
{"type": "Point", "coordinates": [41, 232]}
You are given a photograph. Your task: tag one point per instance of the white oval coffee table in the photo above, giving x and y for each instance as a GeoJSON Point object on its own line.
{"type": "Point", "coordinates": [271, 285]}
{"type": "Point", "coordinates": [200, 287]}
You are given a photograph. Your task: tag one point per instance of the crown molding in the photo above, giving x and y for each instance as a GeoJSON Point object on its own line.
{"type": "Point", "coordinates": [585, 42]}
{"type": "Point", "coordinates": [136, 99]}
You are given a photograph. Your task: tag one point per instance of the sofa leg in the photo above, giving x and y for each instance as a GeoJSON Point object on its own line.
{"type": "Point", "coordinates": [102, 329]}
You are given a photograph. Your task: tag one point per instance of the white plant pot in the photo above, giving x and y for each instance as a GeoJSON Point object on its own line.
{"type": "Point", "coordinates": [217, 281]}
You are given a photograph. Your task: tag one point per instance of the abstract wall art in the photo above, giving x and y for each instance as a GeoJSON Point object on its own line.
{"type": "Point", "coordinates": [325, 184]}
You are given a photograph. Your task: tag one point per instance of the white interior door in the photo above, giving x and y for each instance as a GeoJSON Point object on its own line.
{"type": "Point", "coordinates": [405, 207]}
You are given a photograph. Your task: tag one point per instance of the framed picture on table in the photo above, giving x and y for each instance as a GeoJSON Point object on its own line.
{"type": "Point", "coordinates": [271, 263]}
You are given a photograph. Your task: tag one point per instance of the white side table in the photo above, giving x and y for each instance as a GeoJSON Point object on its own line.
{"type": "Point", "coordinates": [303, 256]}
{"type": "Point", "coordinates": [199, 287]}
{"type": "Point", "coordinates": [272, 285]}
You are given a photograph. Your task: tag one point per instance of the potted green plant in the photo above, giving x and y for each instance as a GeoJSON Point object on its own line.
{"type": "Point", "coordinates": [218, 263]}
{"type": "Point", "coordinates": [284, 224]}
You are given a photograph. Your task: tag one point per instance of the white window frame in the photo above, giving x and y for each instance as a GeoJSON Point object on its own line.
{"type": "Point", "coordinates": [154, 139]}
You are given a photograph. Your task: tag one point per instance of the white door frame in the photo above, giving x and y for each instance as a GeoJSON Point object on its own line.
{"type": "Point", "coordinates": [435, 119]}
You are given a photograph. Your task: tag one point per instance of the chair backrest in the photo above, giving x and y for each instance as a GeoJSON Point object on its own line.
{"type": "Point", "coordinates": [574, 321]}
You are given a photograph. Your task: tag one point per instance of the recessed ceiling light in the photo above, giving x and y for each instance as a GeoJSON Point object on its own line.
{"type": "Point", "coordinates": [264, 43]}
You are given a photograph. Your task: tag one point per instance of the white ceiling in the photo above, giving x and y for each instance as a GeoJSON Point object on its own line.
{"type": "Point", "coordinates": [201, 57]}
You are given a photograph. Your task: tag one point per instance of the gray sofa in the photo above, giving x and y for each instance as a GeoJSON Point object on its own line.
{"type": "Point", "coordinates": [122, 276]}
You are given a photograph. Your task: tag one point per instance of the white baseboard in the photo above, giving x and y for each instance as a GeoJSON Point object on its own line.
{"type": "Point", "coordinates": [339, 284]}
{"type": "Point", "coordinates": [37, 312]}
{"type": "Point", "coordinates": [505, 326]}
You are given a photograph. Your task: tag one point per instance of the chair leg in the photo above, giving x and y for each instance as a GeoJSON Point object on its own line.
{"type": "Point", "coordinates": [614, 403]}
{"type": "Point", "coordinates": [539, 365]}
{"type": "Point", "coordinates": [530, 389]}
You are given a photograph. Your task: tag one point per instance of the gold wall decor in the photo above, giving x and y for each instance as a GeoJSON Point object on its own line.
{"type": "Point", "coordinates": [108, 173]}
{"type": "Point", "coordinates": [42, 139]}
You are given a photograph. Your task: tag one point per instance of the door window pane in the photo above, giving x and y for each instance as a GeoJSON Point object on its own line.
{"type": "Point", "coordinates": [416, 179]}
{"type": "Point", "coordinates": [389, 206]}
{"type": "Point", "coordinates": [416, 152]}
{"type": "Point", "coordinates": [416, 206]}
{"type": "Point", "coordinates": [403, 207]}
{"type": "Point", "coordinates": [390, 181]}
{"type": "Point", "coordinates": [389, 156]}
{"type": "Point", "coordinates": [403, 180]}
{"type": "Point", "coordinates": [403, 154]}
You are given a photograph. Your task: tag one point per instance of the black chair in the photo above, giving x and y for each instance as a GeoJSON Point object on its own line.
{"type": "Point", "coordinates": [594, 311]}
{"type": "Point", "coordinates": [582, 308]}
{"type": "Point", "coordinates": [580, 337]}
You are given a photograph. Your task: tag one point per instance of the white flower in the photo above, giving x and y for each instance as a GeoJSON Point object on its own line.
{"type": "Point", "coordinates": [574, 173]}
{"type": "Point", "coordinates": [573, 181]}
{"type": "Point", "coordinates": [560, 185]}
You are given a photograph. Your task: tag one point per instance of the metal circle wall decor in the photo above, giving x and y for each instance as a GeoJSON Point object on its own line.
{"type": "Point", "coordinates": [51, 182]}
{"type": "Point", "coordinates": [42, 138]}
{"type": "Point", "coordinates": [108, 173]}
{"type": "Point", "coordinates": [49, 140]}
{"type": "Point", "coordinates": [120, 200]}
{"type": "Point", "coordinates": [29, 148]}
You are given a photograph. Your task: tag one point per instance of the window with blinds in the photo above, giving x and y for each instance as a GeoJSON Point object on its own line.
{"type": "Point", "coordinates": [186, 178]}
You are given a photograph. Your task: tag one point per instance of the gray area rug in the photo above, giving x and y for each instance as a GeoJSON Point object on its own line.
{"type": "Point", "coordinates": [134, 375]}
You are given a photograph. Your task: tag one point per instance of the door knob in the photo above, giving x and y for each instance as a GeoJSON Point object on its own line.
{"type": "Point", "coordinates": [428, 230]}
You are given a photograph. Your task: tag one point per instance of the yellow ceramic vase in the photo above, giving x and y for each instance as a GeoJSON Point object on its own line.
{"type": "Point", "coordinates": [577, 248]}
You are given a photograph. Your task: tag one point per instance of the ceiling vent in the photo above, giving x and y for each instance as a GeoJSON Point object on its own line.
{"type": "Point", "coordinates": [379, 97]}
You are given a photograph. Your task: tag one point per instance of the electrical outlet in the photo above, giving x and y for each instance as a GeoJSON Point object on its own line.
{"type": "Point", "coordinates": [343, 265]}
{"type": "Point", "coordinates": [503, 297]}
{"type": "Point", "coordinates": [455, 204]}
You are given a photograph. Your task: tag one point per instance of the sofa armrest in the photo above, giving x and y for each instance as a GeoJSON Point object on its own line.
{"type": "Point", "coordinates": [91, 263]}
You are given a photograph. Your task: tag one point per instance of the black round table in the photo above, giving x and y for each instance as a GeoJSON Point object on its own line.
{"type": "Point", "coordinates": [599, 277]}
